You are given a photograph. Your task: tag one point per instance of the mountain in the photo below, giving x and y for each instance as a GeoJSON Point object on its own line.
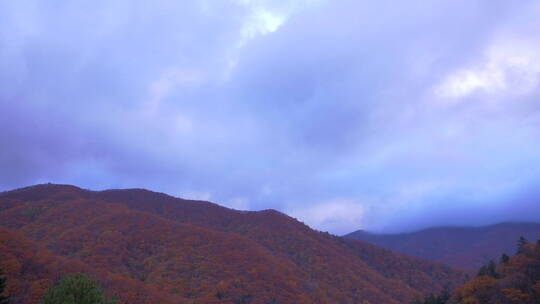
{"type": "Point", "coordinates": [148, 247]}
{"type": "Point", "coordinates": [462, 247]}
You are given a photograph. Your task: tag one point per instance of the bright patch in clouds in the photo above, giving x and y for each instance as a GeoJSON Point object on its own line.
{"type": "Point", "coordinates": [262, 22]}
{"type": "Point", "coordinates": [508, 68]}
{"type": "Point", "coordinates": [267, 16]}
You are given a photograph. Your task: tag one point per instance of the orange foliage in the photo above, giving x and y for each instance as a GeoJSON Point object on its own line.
{"type": "Point", "coordinates": [31, 269]}
{"type": "Point", "coordinates": [145, 245]}
{"type": "Point", "coordinates": [517, 282]}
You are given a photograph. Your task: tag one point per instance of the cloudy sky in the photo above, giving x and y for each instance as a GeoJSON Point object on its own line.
{"type": "Point", "coordinates": [346, 114]}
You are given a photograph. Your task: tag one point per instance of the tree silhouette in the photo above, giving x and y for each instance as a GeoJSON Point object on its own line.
{"type": "Point", "coordinates": [76, 289]}
{"type": "Point", "coordinates": [489, 270]}
{"type": "Point", "coordinates": [442, 298]}
{"type": "Point", "coordinates": [521, 244]}
{"type": "Point", "coordinates": [3, 299]}
{"type": "Point", "coordinates": [504, 258]}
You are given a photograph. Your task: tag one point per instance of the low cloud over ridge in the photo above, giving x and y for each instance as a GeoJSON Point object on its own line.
{"type": "Point", "coordinates": [398, 111]}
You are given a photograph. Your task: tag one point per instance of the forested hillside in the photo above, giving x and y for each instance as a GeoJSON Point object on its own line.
{"type": "Point", "coordinates": [510, 280]}
{"type": "Point", "coordinates": [147, 246]}
{"type": "Point", "coordinates": [514, 280]}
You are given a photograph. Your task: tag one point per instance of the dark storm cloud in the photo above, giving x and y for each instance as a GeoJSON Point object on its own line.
{"type": "Point", "coordinates": [341, 113]}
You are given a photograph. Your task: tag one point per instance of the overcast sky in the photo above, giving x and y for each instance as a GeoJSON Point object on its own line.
{"type": "Point", "coordinates": [347, 114]}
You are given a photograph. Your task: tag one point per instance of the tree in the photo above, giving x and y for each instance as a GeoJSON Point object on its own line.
{"type": "Point", "coordinates": [3, 299]}
{"type": "Point", "coordinates": [75, 289]}
{"type": "Point", "coordinates": [504, 258]}
{"type": "Point", "coordinates": [442, 298]}
{"type": "Point", "coordinates": [522, 244]}
{"type": "Point", "coordinates": [489, 270]}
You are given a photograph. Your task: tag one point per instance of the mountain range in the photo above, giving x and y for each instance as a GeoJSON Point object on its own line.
{"type": "Point", "coordinates": [148, 247]}
{"type": "Point", "coordinates": [467, 248]}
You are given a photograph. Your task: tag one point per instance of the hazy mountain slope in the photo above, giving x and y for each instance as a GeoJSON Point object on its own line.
{"type": "Point", "coordinates": [210, 254]}
{"type": "Point", "coordinates": [463, 247]}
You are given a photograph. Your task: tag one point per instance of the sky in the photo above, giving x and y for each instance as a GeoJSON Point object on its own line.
{"type": "Point", "coordinates": [380, 115]}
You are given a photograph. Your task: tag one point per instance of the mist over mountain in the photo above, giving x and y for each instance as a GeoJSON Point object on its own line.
{"type": "Point", "coordinates": [381, 115]}
{"type": "Point", "coordinates": [463, 247]}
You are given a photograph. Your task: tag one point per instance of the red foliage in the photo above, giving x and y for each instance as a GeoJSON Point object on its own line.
{"type": "Point", "coordinates": [146, 245]}
{"type": "Point", "coordinates": [31, 269]}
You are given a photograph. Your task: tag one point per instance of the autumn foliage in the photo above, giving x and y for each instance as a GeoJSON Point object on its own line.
{"type": "Point", "coordinates": [147, 247]}
{"type": "Point", "coordinates": [513, 281]}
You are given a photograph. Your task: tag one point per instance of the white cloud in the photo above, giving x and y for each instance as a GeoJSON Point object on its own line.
{"type": "Point", "coordinates": [264, 17]}
{"type": "Point", "coordinates": [261, 22]}
{"type": "Point", "coordinates": [238, 203]}
{"type": "Point", "coordinates": [337, 216]}
{"type": "Point", "coordinates": [268, 16]}
{"type": "Point", "coordinates": [196, 195]}
{"type": "Point", "coordinates": [509, 67]}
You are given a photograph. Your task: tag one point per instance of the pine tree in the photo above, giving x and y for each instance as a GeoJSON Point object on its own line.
{"type": "Point", "coordinates": [3, 299]}
{"type": "Point", "coordinates": [489, 270]}
{"type": "Point", "coordinates": [522, 244]}
{"type": "Point", "coordinates": [442, 298]}
{"type": "Point", "coordinates": [504, 258]}
{"type": "Point", "coordinates": [75, 289]}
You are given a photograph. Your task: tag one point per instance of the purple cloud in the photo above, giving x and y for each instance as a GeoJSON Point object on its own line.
{"type": "Point", "coordinates": [309, 107]}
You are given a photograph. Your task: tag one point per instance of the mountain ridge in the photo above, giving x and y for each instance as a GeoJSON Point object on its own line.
{"type": "Point", "coordinates": [207, 253]}
{"type": "Point", "coordinates": [465, 247]}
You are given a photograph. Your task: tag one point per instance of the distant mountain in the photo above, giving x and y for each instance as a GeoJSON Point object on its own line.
{"type": "Point", "coordinates": [149, 247]}
{"type": "Point", "coordinates": [462, 247]}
